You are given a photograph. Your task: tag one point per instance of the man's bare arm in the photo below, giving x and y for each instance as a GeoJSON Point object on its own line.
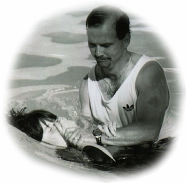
{"type": "Point", "coordinates": [86, 120]}
{"type": "Point", "coordinates": [85, 116]}
{"type": "Point", "coordinates": [152, 101]}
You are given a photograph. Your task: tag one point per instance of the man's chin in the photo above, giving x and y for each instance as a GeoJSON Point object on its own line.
{"type": "Point", "coordinates": [104, 64]}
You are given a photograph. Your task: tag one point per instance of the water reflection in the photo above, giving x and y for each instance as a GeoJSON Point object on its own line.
{"type": "Point", "coordinates": [128, 159]}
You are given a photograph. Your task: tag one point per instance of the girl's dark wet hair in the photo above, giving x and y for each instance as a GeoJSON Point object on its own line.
{"type": "Point", "coordinates": [99, 15]}
{"type": "Point", "coordinates": [29, 123]}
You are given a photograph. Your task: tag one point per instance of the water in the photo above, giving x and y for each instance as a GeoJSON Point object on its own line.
{"type": "Point", "coordinates": [128, 159]}
{"type": "Point", "coordinates": [64, 101]}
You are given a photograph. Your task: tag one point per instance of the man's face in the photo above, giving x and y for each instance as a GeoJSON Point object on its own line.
{"type": "Point", "coordinates": [105, 46]}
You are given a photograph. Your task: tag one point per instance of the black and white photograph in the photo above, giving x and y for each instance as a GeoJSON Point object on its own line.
{"type": "Point", "coordinates": [93, 91]}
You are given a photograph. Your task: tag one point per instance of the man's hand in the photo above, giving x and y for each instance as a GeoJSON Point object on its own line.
{"type": "Point", "coordinates": [77, 136]}
{"type": "Point", "coordinates": [109, 129]}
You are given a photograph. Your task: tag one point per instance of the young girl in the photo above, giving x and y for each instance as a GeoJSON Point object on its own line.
{"type": "Point", "coordinates": [41, 126]}
{"type": "Point", "coordinates": [47, 128]}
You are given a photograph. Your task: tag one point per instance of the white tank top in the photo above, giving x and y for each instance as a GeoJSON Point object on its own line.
{"type": "Point", "coordinates": [122, 106]}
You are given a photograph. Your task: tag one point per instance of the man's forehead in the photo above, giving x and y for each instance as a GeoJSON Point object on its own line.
{"type": "Point", "coordinates": [106, 30]}
{"type": "Point", "coordinates": [108, 23]}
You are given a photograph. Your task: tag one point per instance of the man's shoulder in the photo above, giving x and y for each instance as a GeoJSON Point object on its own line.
{"type": "Point", "coordinates": [151, 68]}
{"type": "Point", "coordinates": [85, 78]}
{"type": "Point", "coordinates": [84, 83]}
{"type": "Point", "coordinates": [150, 73]}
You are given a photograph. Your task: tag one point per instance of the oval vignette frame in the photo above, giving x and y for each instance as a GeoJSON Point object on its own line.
{"type": "Point", "coordinates": [67, 173]}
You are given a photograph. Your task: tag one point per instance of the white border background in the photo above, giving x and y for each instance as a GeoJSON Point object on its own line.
{"type": "Point", "coordinates": [17, 21]}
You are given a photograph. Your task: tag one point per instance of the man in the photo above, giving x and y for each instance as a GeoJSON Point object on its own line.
{"type": "Point", "coordinates": [126, 93]}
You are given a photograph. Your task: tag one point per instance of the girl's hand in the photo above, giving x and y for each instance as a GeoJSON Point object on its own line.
{"type": "Point", "coordinates": [63, 123]}
{"type": "Point", "coordinates": [78, 136]}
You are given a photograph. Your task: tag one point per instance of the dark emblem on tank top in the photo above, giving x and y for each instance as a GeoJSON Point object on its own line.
{"type": "Point", "coordinates": [128, 108]}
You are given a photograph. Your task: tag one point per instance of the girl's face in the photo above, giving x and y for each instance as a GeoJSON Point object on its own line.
{"type": "Point", "coordinates": [53, 132]}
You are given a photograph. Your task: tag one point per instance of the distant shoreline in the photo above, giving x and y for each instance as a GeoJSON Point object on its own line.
{"type": "Point", "coordinates": [38, 90]}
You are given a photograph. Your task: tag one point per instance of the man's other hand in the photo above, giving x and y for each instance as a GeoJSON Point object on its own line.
{"type": "Point", "coordinates": [108, 129]}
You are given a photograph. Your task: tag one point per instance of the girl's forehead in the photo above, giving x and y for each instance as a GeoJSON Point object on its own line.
{"type": "Point", "coordinates": [42, 125]}
{"type": "Point", "coordinates": [45, 123]}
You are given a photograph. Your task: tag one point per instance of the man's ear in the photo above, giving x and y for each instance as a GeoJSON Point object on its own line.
{"type": "Point", "coordinates": [126, 40]}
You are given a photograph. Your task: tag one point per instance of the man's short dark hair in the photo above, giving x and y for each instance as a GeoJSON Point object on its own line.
{"type": "Point", "coordinates": [98, 17]}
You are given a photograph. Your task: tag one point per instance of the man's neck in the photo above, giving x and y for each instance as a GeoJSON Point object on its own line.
{"type": "Point", "coordinates": [118, 69]}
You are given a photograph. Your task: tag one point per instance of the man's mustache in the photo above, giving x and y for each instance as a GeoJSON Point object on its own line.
{"type": "Point", "coordinates": [101, 58]}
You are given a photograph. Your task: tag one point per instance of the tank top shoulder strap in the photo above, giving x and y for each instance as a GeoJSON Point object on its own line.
{"type": "Point", "coordinates": [141, 62]}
